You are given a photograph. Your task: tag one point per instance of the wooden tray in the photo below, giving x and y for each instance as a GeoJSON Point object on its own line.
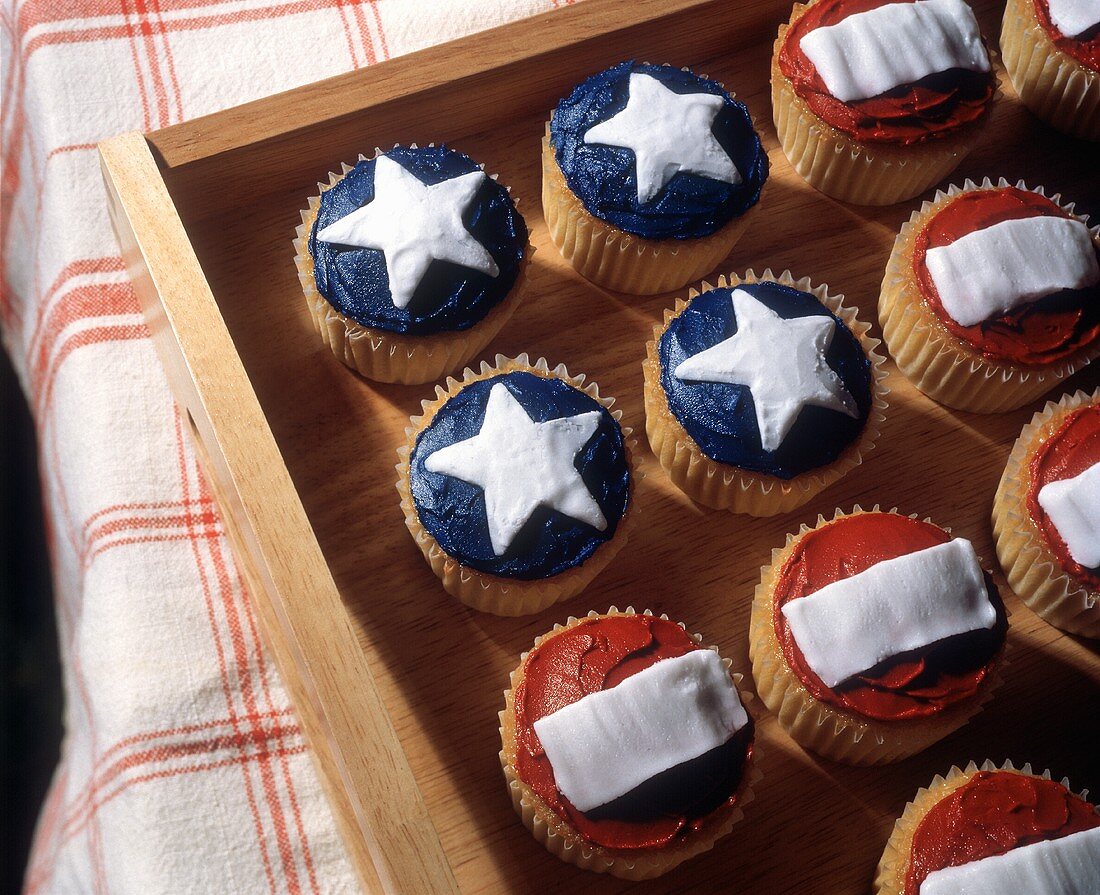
{"type": "Point", "coordinates": [398, 686]}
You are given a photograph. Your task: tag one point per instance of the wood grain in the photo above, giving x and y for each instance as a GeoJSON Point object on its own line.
{"type": "Point", "coordinates": [440, 668]}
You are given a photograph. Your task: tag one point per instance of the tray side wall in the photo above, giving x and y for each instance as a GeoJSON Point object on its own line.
{"type": "Point", "coordinates": [390, 836]}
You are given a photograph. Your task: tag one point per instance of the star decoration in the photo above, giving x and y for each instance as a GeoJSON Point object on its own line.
{"type": "Point", "coordinates": [521, 465]}
{"type": "Point", "coordinates": [781, 362]}
{"type": "Point", "coordinates": [413, 224]}
{"type": "Point", "coordinates": [667, 132]}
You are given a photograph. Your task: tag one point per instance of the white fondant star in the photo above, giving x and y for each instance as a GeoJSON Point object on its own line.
{"type": "Point", "coordinates": [413, 224]}
{"type": "Point", "coordinates": [521, 465]}
{"type": "Point", "coordinates": [782, 362]}
{"type": "Point", "coordinates": [667, 132]}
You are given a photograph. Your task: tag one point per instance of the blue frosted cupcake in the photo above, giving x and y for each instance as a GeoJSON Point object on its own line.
{"type": "Point", "coordinates": [516, 484]}
{"type": "Point", "coordinates": [761, 392]}
{"type": "Point", "coordinates": [647, 174]}
{"type": "Point", "coordinates": [410, 262]}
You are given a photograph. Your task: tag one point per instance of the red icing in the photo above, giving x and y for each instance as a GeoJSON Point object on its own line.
{"type": "Point", "coordinates": [1085, 49]}
{"type": "Point", "coordinates": [912, 113]}
{"type": "Point", "coordinates": [1042, 332]}
{"type": "Point", "coordinates": [1072, 448]}
{"type": "Point", "coordinates": [595, 655]}
{"type": "Point", "coordinates": [912, 685]}
{"type": "Point", "coordinates": [993, 813]}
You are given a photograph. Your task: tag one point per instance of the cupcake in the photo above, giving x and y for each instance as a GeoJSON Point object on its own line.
{"type": "Point", "coordinates": [875, 101]}
{"type": "Point", "coordinates": [516, 484]}
{"type": "Point", "coordinates": [1051, 50]}
{"type": "Point", "coordinates": [761, 392]}
{"type": "Point", "coordinates": [409, 262]}
{"type": "Point", "coordinates": [625, 745]}
{"type": "Point", "coordinates": [992, 296]}
{"type": "Point", "coordinates": [873, 635]}
{"type": "Point", "coordinates": [993, 831]}
{"type": "Point", "coordinates": [1046, 515]}
{"type": "Point", "coordinates": [647, 173]}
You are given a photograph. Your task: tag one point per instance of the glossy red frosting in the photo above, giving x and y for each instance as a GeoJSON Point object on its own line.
{"type": "Point", "coordinates": [915, 684]}
{"type": "Point", "coordinates": [926, 109]}
{"type": "Point", "coordinates": [1040, 333]}
{"type": "Point", "coordinates": [1071, 449]}
{"type": "Point", "coordinates": [1085, 49]}
{"type": "Point", "coordinates": [993, 813]}
{"type": "Point", "coordinates": [595, 655]}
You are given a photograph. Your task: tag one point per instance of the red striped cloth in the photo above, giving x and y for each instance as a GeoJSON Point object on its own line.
{"type": "Point", "coordinates": [183, 767]}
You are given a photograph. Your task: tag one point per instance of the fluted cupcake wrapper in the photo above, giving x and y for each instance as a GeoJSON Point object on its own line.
{"type": "Point", "coordinates": [385, 356]}
{"type": "Point", "coordinates": [562, 840]}
{"type": "Point", "coordinates": [894, 863]}
{"type": "Point", "coordinates": [492, 593]}
{"type": "Point", "coordinates": [1032, 569]}
{"type": "Point", "coordinates": [725, 487]}
{"type": "Point", "coordinates": [937, 362]}
{"type": "Point", "coordinates": [624, 262]}
{"type": "Point", "coordinates": [828, 731]}
{"type": "Point", "coordinates": [1056, 87]}
{"type": "Point", "coordinates": [846, 169]}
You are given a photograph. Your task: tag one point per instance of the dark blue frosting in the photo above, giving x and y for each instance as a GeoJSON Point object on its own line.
{"type": "Point", "coordinates": [721, 417]}
{"type": "Point", "coordinates": [450, 297]}
{"type": "Point", "coordinates": [453, 511]}
{"type": "Point", "coordinates": [604, 179]}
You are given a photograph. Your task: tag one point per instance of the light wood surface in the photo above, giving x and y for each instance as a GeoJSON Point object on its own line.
{"type": "Point", "coordinates": [440, 668]}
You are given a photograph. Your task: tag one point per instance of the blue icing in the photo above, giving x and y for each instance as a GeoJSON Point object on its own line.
{"type": "Point", "coordinates": [604, 179]}
{"type": "Point", "coordinates": [450, 297]}
{"type": "Point", "coordinates": [453, 511]}
{"type": "Point", "coordinates": [721, 418]}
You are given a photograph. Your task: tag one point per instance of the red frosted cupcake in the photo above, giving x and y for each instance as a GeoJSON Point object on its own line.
{"type": "Point", "coordinates": [876, 100]}
{"type": "Point", "coordinates": [992, 296]}
{"type": "Point", "coordinates": [625, 744]}
{"type": "Point", "coordinates": [993, 832]}
{"type": "Point", "coordinates": [1046, 515]}
{"type": "Point", "coordinates": [1051, 50]}
{"type": "Point", "coordinates": [873, 635]}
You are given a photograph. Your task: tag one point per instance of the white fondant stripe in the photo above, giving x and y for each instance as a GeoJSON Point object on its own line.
{"type": "Point", "coordinates": [1066, 866]}
{"type": "Point", "coordinates": [894, 606]}
{"type": "Point", "coordinates": [1073, 505]}
{"type": "Point", "coordinates": [871, 52]}
{"type": "Point", "coordinates": [607, 743]}
{"type": "Point", "coordinates": [1074, 17]}
{"type": "Point", "coordinates": [991, 271]}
